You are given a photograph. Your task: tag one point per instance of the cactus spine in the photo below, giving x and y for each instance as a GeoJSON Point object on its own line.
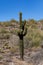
{"type": "Point", "coordinates": [21, 35]}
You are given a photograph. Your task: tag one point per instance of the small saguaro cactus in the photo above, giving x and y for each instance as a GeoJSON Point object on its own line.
{"type": "Point", "coordinates": [22, 32]}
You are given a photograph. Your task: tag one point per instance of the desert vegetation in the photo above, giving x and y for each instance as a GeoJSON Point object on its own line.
{"type": "Point", "coordinates": [33, 41]}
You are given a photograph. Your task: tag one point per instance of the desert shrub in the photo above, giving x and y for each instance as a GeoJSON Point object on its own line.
{"type": "Point", "coordinates": [41, 34]}
{"type": "Point", "coordinates": [12, 31]}
{"type": "Point", "coordinates": [4, 36]}
{"type": "Point", "coordinates": [6, 24]}
{"type": "Point", "coordinates": [6, 46]}
{"type": "Point", "coordinates": [36, 42]}
{"type": "Point", "coordinates": [1, 50]}
{"type": "Point", "coordinates": [14, 49]}
{"type": "Point", "coordinates": [1, 57]}
{"type": "Point", "coordinates": [12, 21]}
{"type": "Point", "coordinates": [34, 26]}
{"type": "Point", "coordinates": [35, 37]}
{"type": "Point", "coordinates": [7, 36]}
{"type": "Point", "coordinates": [4, 31]}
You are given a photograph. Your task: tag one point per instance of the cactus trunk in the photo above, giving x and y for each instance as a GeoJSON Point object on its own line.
{"type": "Point", "coordinates": [21, 49]}
{"type": "Point", "coordinates": [20, 18]}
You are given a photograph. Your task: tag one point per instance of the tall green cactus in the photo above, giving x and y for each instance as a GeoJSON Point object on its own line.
{"type": "Point", "coordinates": [21, 34]}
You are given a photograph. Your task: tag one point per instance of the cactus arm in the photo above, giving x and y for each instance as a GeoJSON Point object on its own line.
{"type": "Point", "coordinates": [25, 32]}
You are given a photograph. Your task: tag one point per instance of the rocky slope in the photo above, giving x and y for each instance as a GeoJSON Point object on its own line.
{"type": "Point", "coordinates": [9, 45]}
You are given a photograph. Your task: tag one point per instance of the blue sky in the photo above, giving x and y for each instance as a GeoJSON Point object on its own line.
{"type": "Point", "coordinates": [31, 9]}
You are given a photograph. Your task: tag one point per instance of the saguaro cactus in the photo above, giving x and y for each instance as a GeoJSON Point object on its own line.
{"type": "Point", "coordinates": [21, 34]}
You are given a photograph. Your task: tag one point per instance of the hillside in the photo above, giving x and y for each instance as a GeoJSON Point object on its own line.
{"type": "Point", "coordinates": [33, 43]}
